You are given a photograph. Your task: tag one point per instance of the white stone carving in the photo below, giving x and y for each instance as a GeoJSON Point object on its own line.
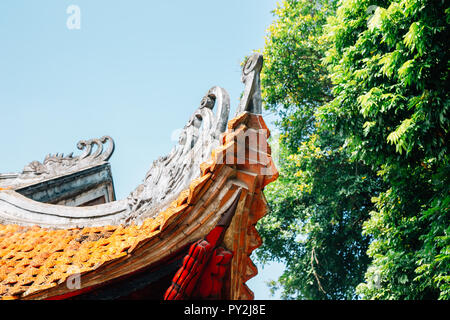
{"type": "Point", "coordinates": [58, 164]}
{"type": "Point", "coordinates": [170, 175]}
{"type": "Point", "coordinates": [166, 178]}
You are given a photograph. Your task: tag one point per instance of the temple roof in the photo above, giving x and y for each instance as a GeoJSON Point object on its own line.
{"type": "Point", "coordinates": [38, 261]}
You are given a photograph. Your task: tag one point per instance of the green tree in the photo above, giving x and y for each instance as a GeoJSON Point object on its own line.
{"type": "Point", "coordinates": [389, 63]}
{"type": "Point", "coordinates": [321, 199]}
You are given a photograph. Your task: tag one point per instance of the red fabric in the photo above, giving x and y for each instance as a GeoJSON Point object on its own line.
{"type": "Point", "coordinates": [214, 235]}
{"type": "Point", "coordinates": [185, 279]}
{"type": "Point", "coordinates": [204, 263]}
{"type": "Point", "coordinates": [211, 281]}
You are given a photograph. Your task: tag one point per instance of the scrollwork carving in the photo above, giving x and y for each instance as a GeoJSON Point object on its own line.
{"type": "Point", "coordinates": [98, 154]}
{"type": "Point", "coordinates": [169, 175]}
{"type": "Point", "coordinates": [58, 164]}
{"type": "Point", "coordinates": [165, 179]}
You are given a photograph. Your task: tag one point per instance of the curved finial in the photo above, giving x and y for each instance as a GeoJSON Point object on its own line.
{"type": "Point", "coordinates": [98, 154]}
{"type": "Point", "coordinates": [222, 102]}
{"type": "Point", "coordinates": [251, 99]}
{"type": "Point", "coordinates": [111, 147]}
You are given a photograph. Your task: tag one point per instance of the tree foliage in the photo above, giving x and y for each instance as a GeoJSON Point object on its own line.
{"type": "Point", "coordinates": [321, 199]}
{"type": "Point", "coordinates": [389, 66]}
{"type": "Point", "coordinates": [363, 195]}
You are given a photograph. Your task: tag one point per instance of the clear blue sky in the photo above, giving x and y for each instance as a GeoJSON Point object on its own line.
{"type": "Point", "coordinates": [136, 70]}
